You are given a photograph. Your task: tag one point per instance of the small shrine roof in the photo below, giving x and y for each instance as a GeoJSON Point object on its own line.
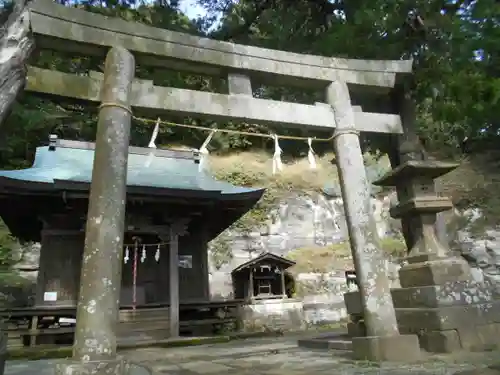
{"type": "Point", "coordinates": [265, 258]}
{"type": "Point", "coordinates": [68, 165]}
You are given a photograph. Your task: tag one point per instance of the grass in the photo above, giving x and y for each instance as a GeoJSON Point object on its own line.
{"type": "Point", "coordinates": [338, 256]}
{"type": "Point", "coordinates": [321, 259]}
{"type": "Point", "coordinates": [255, 169]}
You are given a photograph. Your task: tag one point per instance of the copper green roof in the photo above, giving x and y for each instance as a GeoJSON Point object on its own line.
{"type": "Point", "coordinates": [63, 170]}
{"type": "Point", "coordinates": [71, 162]}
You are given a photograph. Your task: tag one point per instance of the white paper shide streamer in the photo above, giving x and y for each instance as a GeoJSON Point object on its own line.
{"type": "Point", "coordinates": [152, 143]}
{"type": "Point", "coordinates": [204, 151]}
{"type": "Point", "coordinates": [126, 258]}
{"type": "Point", "coordinates": [157, 254]}
{"type": "Point", "coordinates": [310, 154]}
{"type": "Point", "coordinates": [277, 163]}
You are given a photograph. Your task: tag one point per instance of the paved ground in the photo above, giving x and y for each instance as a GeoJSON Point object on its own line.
{"type": "Point", "coordinates": [277, 356]}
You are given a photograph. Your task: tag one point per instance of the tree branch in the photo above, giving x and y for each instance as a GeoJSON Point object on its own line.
{"type": "Point", "coordinates": [16, 45]}
{"type": "Point", "coordinates": [250, 20]}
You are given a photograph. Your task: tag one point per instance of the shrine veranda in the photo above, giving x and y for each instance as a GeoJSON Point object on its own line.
{"type": "Point", "coordinates": [392, 323]}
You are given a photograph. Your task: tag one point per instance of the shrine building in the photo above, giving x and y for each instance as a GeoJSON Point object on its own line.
{"type": "Point", "coordinates": [48, 203]}
{"type": "Point", "coordinates": [262, 278]}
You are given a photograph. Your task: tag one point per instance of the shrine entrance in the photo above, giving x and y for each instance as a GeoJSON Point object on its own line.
{"type": "Point", "coordinates": [359, 96]}
{"type": "Point", "coordinates": [145, 271]}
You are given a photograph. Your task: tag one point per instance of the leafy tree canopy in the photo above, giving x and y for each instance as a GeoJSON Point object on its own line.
{"type": "Point", "coordinates": [455, 45]}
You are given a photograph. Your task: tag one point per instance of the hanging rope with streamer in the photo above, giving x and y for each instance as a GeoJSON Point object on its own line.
{"type": "Point", "coordinates": [277, 163]}
{"type": "Point", "coordinates": [152, 142]}
{"type": "Point", "coordinates": [231, 131]}
{"type": "Point", "coordinates": [204, 151]}
{"type": "Point", "coordinates": [311, 154]}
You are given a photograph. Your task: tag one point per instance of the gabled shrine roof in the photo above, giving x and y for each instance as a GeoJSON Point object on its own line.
{"type": "Point", "coordinates": [266, 257]}
{"type": "Point", "coordinates": [63, 170]}
{"type": "Point", "coordinates": [68, 165]}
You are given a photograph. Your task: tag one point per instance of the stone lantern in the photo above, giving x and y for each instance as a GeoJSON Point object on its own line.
{"type": "Point", "coordinates": [438, 299]}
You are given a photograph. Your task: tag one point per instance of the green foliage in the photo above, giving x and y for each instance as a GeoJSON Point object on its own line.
{"type": "Point", "coordinates": [259, 215]}
{"type": "Point", "coordinates": [220, 250]}
{"type": "Point", "coordinates": [395, 247]}
{"type": "Point", "coordinates": [241, 176]}
{"type": "Point", "coordinates": [7, 246]}
{"type": "Point", "coordinates": [459, 94]}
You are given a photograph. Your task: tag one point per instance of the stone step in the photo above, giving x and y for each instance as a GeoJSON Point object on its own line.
{"type": "Point", "coordinates": [338, 342]}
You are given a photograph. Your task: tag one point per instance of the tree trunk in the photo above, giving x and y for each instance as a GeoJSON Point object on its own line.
{"type": "Point", "coordinates": [16, 45]}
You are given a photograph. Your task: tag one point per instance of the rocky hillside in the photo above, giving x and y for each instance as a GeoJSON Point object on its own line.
{"type": "Point", "coordinates": [301, 216]}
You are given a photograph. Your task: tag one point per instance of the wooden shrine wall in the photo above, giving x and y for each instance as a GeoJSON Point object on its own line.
{"type": "Point", "coordinates": [60, 264]}
{"type": "Point", "coordinates": [60, 267]}
{"type": "Point", "coordinates": [193, 282]}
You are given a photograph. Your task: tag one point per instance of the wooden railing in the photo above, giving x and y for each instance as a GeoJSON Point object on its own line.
{"type": "Point", "coordinates": [34, 326]}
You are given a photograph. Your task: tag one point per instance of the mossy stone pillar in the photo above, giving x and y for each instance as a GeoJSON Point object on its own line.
{"type": "Point", "coordinates": [94, 349]}
{"type": "Point", "coordinates": [383, 341]}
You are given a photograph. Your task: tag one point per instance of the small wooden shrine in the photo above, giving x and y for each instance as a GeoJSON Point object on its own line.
{"type": "Point", "coordinates": [48, 202]}
{"type": "Point", "coordinates": [263, 277]}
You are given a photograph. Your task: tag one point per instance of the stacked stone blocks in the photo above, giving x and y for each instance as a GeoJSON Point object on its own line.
{"type": "Point", "coordinates": [438, 299]}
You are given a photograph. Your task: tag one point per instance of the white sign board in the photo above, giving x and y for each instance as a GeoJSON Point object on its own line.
{"type": "Point", "coordinates": [67, 320]}
{"type": "Point", "coordinates": [185, 261]}
{"type": "Point", "coordinates": [50, 296]}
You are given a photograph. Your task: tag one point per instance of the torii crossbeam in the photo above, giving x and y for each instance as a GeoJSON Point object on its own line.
{"type": "Point", "coordinates": [56, 27]}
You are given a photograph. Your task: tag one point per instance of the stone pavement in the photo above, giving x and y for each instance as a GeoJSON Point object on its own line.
{"type": "Point", "coordinates": [270, 356]}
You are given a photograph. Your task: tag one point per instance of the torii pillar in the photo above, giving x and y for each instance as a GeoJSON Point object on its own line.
{"type": "Point", "coordinates": [383, 341]}
{"type": "Point", "coordinates": [95, 346]}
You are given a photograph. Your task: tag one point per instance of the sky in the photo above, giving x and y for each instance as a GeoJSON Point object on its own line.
{"type": "Point", "coordinates": [191, 9]}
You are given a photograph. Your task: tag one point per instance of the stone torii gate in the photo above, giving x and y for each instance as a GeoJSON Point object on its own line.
{"type": "Point", "coordinates": [117, 93]}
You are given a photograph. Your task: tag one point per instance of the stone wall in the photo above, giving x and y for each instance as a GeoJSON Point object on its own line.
{"type": "Point", "coordinates": [300, 221]}
{"type": "Point", "coordinates": [273, 314]}
{"type": "Point", "coordinates": [482, 252]}
{"type": "Point", "coordinates": [19, 284]}
{"type": "Point", "coordinates": [324, 309]}
{"type": "Point", "coordinates": [316, 220]}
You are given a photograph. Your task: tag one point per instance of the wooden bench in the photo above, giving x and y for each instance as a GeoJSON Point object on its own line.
{"type": "Point", "coordinates": [212, 317]}
{"type": "Point", "coordinates": [52, 325]}
{"type": "Point", "coordinates": [33, 326]}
